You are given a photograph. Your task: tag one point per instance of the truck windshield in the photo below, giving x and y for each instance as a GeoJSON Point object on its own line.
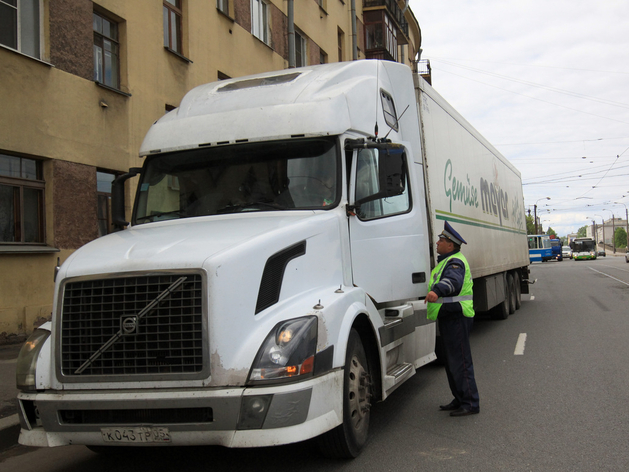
{"type": "Point", "coordinates": [273, 176]}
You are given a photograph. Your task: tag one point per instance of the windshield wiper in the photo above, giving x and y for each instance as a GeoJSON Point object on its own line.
{"type": "Point", "coordinates": [251, 205]}
{"type": "Point", "coordinates": [160, 213]}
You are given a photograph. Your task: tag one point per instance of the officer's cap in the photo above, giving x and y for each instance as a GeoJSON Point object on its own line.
{"type": "Point", "coordinates": [450, 234]}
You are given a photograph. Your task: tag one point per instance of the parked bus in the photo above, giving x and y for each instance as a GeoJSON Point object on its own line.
{"type": "Point", "coordinates": [540, 249]}
{"type": "Point", "coordinates": [583, 248]}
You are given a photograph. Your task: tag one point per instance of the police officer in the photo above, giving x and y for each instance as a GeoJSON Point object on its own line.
{"type": "Point", "coordinates": [450, 303]}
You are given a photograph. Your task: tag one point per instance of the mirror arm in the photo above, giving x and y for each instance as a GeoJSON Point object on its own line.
{"type": "Point", "coordinates": [117, 198]}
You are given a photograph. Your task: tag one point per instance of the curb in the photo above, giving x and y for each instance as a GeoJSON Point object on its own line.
{"type": "Point", "coordinates": [9, 431]}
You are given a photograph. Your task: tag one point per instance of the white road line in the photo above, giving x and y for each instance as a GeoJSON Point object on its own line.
{"type": "Point", "coordinates": [519, 346]}
{"type": "Point", "coordinates": [607, 275]}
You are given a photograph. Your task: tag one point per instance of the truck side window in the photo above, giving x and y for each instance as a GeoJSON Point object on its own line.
{"type": "Point", "coordinates": [367, 184]}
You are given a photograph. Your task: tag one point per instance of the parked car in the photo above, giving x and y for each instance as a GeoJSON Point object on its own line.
{"type": "Point", "coordinates": [566, 252]}
{"type": "Point", "coordinates": [601, 253]}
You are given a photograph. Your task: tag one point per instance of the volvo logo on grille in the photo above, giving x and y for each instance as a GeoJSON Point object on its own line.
{"type": "Point", "coordinates": [129, 325]}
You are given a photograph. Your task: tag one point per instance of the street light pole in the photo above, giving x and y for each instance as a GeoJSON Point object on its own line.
{"type": "Point", "coordinates": [602, 221]}
{"type": "Point", "coordinates": [626, 222]}
{"type": "Point", "coordinates": [535, 210]}
{"type": "Point", "coordinates": [613, 230]}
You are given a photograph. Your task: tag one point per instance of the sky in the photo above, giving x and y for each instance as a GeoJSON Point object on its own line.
{"type": "Point", "coordinates": [547, 83]}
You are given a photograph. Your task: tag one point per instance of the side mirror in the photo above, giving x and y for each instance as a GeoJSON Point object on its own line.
{"type": "Point", "coordinates": [391, 174]}
{"type": "Point", "coordinates": [392, 167]}
{"type": "Point", "coordinates": [117, 198]}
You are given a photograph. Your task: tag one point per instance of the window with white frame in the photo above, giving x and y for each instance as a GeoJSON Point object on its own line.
{"type": "Point", "coordinates": [301, 59]}
{"type": "Point", "coordinates": [260, 20]}
{"type": "Point", "coordinates": [106, 51]}
{"type": "Point", "coordinates": [19, 26]}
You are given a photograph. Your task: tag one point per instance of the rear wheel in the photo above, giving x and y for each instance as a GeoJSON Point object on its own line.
{"type": "Point", "coordinates": [511, 293]}
{"type": "Point", "coordinates": [501, 311]}
{"type": "Point", "coordinates": [518, 290]}
{"type": "Point", "coordinates": [346, 440]}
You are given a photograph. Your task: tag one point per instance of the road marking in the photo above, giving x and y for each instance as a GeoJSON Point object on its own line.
{"type": "Point", "coordinates": [519, 346]}
{"type": "Point", "coordinates": [607, 275]}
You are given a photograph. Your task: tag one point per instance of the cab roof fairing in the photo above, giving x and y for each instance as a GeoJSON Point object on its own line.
{"type": "Point", "coordinates": [321, 101]}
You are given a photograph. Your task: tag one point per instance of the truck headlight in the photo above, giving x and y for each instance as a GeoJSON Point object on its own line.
{"type": "Point", "coordinates": [288, 351]}
{"type": "Point", "coordinates": [26, 378]}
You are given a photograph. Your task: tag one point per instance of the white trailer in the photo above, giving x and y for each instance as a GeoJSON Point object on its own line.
{"type": "Point", "coordinates": [270, 287]}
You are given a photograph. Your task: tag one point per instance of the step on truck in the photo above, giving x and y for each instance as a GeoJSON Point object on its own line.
{"type": "Point", "coordinates": [269, 287]}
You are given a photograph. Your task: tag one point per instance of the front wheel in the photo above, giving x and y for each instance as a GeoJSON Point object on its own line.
{"type": "Point", "coordinates": [346, 440]}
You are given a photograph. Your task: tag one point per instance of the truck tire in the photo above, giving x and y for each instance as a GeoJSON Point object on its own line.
{"type": "Point", "coordinates": [347, 440]}
{"type": "Point", "coordinates": [511, 293]}
{"type": "Point", "coordinates": [518, 290]}
{"type": "Point", "coordinates": [501, 311]}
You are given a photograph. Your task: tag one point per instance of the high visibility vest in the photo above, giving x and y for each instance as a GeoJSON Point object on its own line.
{"type": "Point", "coordinates": [465, 297]}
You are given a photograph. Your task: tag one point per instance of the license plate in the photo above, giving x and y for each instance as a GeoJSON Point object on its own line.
{"type": "Point", "coordinates": [135, 435]}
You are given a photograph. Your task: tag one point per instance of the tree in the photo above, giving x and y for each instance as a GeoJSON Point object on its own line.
{"type": "Point", "coordinates": [551, 232]}
{"type": "Point", "coordinates": [530, 226]}
{"type": "Point", "coordinates": [620, 238]}
{"type": "Point", "coordinates": [583, 231]}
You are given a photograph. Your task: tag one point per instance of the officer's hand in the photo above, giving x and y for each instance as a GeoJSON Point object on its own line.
{"type": "Point", "coordinates": [432, 297]}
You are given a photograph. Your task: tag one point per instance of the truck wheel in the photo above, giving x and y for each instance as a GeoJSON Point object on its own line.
{"type": "Point", "coordinates": [501, 311]}
{"type": "Point", "coordinates": [518, 290]}
{"type": "Point", "coordinates": [511, 293]}
{"type": "Point", "coordinates": [346, 440]}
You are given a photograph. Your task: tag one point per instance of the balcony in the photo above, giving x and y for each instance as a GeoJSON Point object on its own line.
{"type": "Point", "coordinates": [422, 67]}
{"type": "Point", "coordinates": [395, 12]}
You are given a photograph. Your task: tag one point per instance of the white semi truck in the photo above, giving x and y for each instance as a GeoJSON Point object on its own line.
{"type": "Point", "coordinates": [270, 286]}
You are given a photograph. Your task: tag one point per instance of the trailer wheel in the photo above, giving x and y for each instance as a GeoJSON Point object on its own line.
{"type": "Point", "coordinates": [511, 293]}
{"type": "Point", "coordinates": [518, 290]}
{"type": "Point", "coordinates": [501, 311]}
{"type": "Point", "coordinates": [346, 440]}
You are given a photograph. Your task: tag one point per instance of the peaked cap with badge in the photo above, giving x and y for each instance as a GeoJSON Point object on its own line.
{"type": "Point", "coordinates": [450, 234]}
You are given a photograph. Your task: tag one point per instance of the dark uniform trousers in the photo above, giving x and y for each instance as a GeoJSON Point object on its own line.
{"type": "Point", "coordinates": [454, 329]}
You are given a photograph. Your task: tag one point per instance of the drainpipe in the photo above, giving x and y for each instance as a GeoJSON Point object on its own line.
{"type": "Point", "coordinates": [291, 35]}
{"type": "Point", "coordinates": [354, 44]}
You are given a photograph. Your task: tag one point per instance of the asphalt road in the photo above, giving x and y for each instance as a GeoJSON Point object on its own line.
{"type": "Point", "coordinates": [560, 403]}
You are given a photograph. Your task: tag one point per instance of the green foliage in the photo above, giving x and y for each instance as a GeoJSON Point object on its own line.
{"type": "Point", "coordinates": [620, 238]}
{"type": "Point", "coordinates": [530, 225]}
{"type": "Point", "coordinates": [582, 233]}
{"type": "Point", "coordinates": [551, 232]}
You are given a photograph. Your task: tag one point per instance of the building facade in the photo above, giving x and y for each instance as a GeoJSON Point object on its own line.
{"type": "Point", "coordinates": [603, 233]}
{"type": "Point", "coordinates": [81, 82]}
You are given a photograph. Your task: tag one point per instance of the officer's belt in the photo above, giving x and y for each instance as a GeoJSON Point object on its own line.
{"type": "Point", "coordinates": [461, 298]}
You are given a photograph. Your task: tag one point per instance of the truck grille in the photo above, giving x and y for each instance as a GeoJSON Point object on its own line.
{"type": "Point", "coordinates": [133, 326]}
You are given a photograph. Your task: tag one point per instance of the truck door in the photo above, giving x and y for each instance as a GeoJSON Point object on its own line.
{"type": "Point", "coordinates": [386, 234]}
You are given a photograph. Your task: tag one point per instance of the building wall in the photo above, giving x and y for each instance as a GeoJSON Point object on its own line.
{"type": "Point", "coordinates": [53, 111]}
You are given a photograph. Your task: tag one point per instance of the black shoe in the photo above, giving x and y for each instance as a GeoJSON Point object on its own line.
{"type": "Point", "coordinates": [453, 405]}
{"type": "Point", "coordinates": [464, 412]}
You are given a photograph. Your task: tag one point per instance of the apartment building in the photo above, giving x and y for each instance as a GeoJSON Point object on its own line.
{"type": "Point", "coordinates": [81, 81]}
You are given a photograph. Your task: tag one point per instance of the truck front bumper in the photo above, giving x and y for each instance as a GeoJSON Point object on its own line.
{"type": "Point", "coordinates": [231, 417]}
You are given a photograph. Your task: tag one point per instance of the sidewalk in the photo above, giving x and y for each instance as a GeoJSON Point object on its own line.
{"type": "Point", "coordinates": [9, 421]}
